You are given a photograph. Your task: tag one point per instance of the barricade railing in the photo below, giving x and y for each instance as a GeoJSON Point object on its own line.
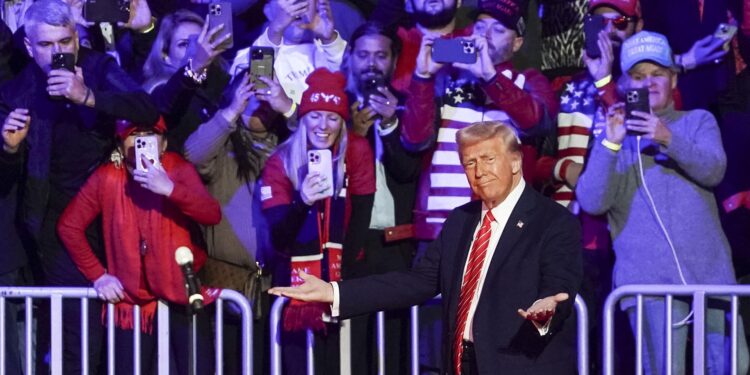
{"type": "Point", "coordinates": [56, 297]}
{"type": "Point", "coordinates": [275, 323]}
{"type": "Point", "coordinates": [668, 292]}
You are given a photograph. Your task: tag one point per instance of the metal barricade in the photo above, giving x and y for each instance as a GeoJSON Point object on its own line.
{"type": "Point", "coordinates": [56, 296]}
{"type": "Point", "coordinates": [668, 292]}
{"type": "Point", "coordinates": [278, 306]}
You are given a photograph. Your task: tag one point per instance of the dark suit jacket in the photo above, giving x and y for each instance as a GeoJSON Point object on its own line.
{"type": "Point", "coordinates": [538, 255]}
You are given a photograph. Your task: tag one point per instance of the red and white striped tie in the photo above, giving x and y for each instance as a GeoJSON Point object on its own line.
{"type": "Point", "coordinates": [470, 284]}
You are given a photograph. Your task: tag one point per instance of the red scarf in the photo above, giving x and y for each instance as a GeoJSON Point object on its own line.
{"type": "Point", "coordinates": [131, 213]}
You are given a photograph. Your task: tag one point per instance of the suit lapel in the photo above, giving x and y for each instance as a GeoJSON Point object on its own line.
{"type": "Point", "coordinates": [514, 228]}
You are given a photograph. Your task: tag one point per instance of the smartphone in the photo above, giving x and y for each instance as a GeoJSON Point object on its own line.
{"type": "Point", "coordinates": [636, 100]}
{"type": "Point", "coordinates": [593, 24]}
{"type": "Point", "coordinates": [320, 161]}
{"type": "Point", "coordinates": [261, 65]}
{"type": "Point", "coordinates": [148, 146]}
{"type": "Point", "coordinates": [370, 87]}
{"type": "Point", "coordinates": [458, 50]}
{"type": "Point", "coordinates": [725, 32]}
{"type": "Point", "coordinates": [112, 11]}
{"type": "Point", "coordinates": [63, 61]}
{"type": "Point", "coordinates": [221, 13]}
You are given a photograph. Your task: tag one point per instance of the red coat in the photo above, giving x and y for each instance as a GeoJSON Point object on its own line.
{"type": "Point", "coordinates": [129, 213]}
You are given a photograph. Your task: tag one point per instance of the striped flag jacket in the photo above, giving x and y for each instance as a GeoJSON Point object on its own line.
{"type": "Point", "coordinates": [438, 107]}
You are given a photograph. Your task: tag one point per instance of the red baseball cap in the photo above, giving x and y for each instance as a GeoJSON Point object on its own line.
{"type": "Point", "coordinates": [626, 7]}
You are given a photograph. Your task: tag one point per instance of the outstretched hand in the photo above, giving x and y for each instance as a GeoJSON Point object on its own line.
{"type": "Point", "coordinates": [312, 290]}
{"type": "Point", "coordinates": [542, 310]}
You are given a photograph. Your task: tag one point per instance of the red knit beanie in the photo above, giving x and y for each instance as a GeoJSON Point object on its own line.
{"type": "Point", "coordinates": [325, 92]}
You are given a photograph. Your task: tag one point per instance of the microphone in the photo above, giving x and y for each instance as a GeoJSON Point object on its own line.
{"type": "Point", "coordinates": [184, 258]}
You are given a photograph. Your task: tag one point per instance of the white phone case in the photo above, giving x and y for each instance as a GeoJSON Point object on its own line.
{"type": "Point", "coordinates": [320, 161]}
{"type": "Point", "coordinates": [148, 146]}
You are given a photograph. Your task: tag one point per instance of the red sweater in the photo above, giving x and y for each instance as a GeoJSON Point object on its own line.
{"type": "Point", "coordinates": [129, 213]}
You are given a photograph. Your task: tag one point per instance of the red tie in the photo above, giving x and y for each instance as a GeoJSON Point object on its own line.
{"type": "Point", "coordinates": [469, 285]}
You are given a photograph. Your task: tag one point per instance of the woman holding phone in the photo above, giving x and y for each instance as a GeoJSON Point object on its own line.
{"type": "Point", "coordinates": [315, 217]}
{"type": "Point", "coordinates": [148, 210]}
{"type": "Point", "coordinates": [185, 73]}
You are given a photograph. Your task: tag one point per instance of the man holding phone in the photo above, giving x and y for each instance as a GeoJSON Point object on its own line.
{"type": "Point", "coordinates": [489, 89]}
{"type": "Point", "coordinates": [389, 244]}
{"type": "Point", "coordinates": [303, 37]}
{"type": "Point", "coordinates": [583, 106]}
{"type": "Point", "coordinates": [656, 191]}
{"type": "Point", "coordinates": [57, 143]}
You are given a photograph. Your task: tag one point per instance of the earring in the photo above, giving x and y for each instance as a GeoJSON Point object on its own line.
{"type": "Point", "coordinates": [116, 158]}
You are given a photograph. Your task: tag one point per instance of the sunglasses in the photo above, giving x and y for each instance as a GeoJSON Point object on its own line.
{"type": "Point", "coordinates": [621, 23]}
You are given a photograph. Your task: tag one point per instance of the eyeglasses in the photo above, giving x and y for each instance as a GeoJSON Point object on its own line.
{"type": "Point", "coordinates": [621, 23]}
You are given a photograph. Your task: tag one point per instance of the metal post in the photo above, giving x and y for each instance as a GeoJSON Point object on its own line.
{"type": "Point", "coordinates": [136, 340]}
{"type": "Point", "coordinates": [56, 334]}
{"type": "Point", "coordinates": [219, 337]}
{"type": "Point", "coordinates": [29, 330]}
{"type": "Point", "coordinates": [192, 354]}
{"type": "Point", "coordinates": [639, 335]}
{"type": "Point", "coordinates": [735, 329]}
{"type": "Point", "coordinates": [84, 336]}
{"type": "Point", "coordinates": [380, 316]}
{"type": "Point", "coordinates": [276, 309]}
{"type": "Point", "coordinates": [582, 315]}
{"type": "Point", "coordinates": [699, 333]}
{"type": "Point", "coordinates": [110, 339]}
{"type": "Point", "coordinates": [2, 336]}
{"type": "Point", "coordinates": [668, 334]}
{"type": "Point", "coordinates": [162, 316]}
{"type": "Point", "coordinates": [414, 340]}
{"type": "Point", "coordinates": [310, 352]}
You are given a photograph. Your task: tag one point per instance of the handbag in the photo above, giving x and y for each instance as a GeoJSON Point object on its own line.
{"type": "Point", "coordinates": [252, 282]}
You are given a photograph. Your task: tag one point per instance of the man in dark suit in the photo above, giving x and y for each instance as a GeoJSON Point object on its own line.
{"type": "Point", "coordinates": [510, 249]}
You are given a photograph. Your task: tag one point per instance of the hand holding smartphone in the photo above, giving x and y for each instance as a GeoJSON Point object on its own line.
{"type": "Point", "coordinates": [458, 50]}
{"type": "Point", "coordinates": [636, 100]}
{"type": "Point", "coordinates": [110, 11]}
{"type": "Point", "coordinates": [320, 161]}
{"type": "Point", "coordinates": [370, 87]}
{"type": "Point", "coordinates": [593, 24]}
{"type": "Point", "coordinates": [725, 32]}
{"type": "Point", "coordinates": [146, 146]}
{"type": "Point", "coordinates": [261, 65]}
{"type": "Point", "coordinates": [63, 61]}
{"type": "Point", "coordinates": [220, 13]}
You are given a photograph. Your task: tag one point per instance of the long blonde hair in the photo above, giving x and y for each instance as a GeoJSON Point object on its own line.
{"type": "Point", "coordinates": [293, 153]}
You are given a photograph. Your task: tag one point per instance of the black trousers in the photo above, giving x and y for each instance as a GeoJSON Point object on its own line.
{"type": "Point", "coordinates": [60, 271]}
{"type": "Point", "coordinates": [469, 360]}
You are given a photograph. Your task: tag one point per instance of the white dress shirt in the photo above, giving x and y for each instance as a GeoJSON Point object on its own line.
{"type": "Point", "coordinates": [501, 212]}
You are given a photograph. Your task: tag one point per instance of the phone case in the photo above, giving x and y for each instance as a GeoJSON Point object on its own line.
{"type": "Point", "coordinates": [447, 51]}
{"type": "Point", "coordinates": [370, 87]}
{"type": "Point", "coordinates": [320, 161]}
{"type": "Point", "coordinates": [65, 61]}
{"type": "Point", "coordinates": [725, 31]}
{"type": "Point", "coordinates": [261, 65]}
{"type": "Point", "coordinates": [593, 24]}
{"type": "Point", "coordinates": [148, 146]}
{"type": "Point", "coordinates": [636, 100]}
{"type": "Point", "coordinates": [111, 11]}
{"type": "Point", "coordinates": [221, 13]}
